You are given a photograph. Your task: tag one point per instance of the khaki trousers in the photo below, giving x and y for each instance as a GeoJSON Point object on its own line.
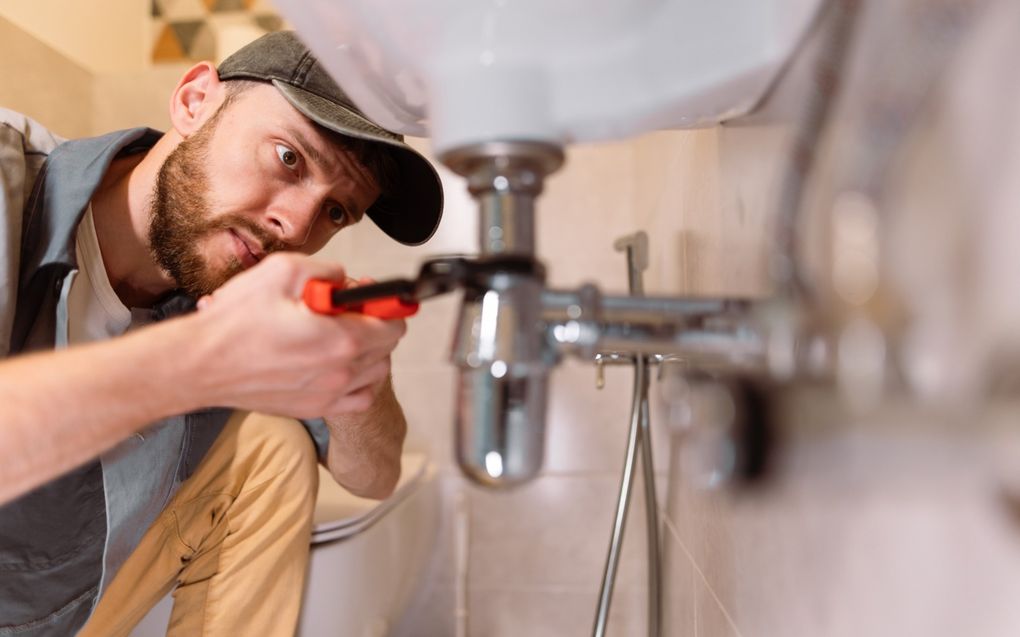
{"type": "Point", "coordinates": [232, 544]}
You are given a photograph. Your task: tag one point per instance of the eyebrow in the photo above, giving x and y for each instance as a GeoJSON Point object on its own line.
{"type": "Point", "coordinates": [326, 166]}
{"type": "Point", "coordinates": [312, 152]}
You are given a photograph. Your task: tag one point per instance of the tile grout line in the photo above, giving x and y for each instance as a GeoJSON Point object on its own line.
{"type": "Point", "coordinates": [697, 569]}
{"type": "Point", "coordinates": [566, 589]}
{"type": "Point", "coordinates": [453, 470]}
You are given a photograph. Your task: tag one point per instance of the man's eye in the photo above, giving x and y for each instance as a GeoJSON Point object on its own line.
{"type": "Point", "coordinates": [337, 214]}
{"type": "Point", "coordinates": [287, 156]}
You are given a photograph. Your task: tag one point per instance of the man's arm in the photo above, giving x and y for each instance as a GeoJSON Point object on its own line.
{"type": "Point", "coordinates": [365, 448]}
{"type": "Point", "coordinates": [253, 346]}
{"type": "Point", "coordinates": [60, 409]}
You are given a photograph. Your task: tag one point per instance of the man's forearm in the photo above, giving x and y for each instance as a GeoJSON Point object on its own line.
{"type": "Point", "coordinates": [61, 409]}
{"type": "Point", "coordinates": [254, 346]}
{"type": "Point", "coordinates": [365, 448]}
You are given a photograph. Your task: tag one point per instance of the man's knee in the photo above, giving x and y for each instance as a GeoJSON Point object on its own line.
{"type": "Point", "coordinates": [256, 451]}
{"type": "Point", "coordinates": [259, 463]}
{"type": "Point", "coordinates": [284, 453]}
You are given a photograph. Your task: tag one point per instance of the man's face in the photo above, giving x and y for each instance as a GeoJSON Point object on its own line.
{"type": "Point", "coordinates": [256, 178]}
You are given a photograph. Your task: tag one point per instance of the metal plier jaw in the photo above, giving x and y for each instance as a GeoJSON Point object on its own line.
{"type": "Point", "coordinates": [400, 298]}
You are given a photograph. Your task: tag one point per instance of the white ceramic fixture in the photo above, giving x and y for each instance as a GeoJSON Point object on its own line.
{"type": "Point", "coordinates": [467, 71]}
{"type": "Point", "coordinates": [367, 558]}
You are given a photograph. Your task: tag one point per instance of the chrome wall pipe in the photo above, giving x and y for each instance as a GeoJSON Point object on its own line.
{"type": "Point", "coordinates": [704, 331]}
{"type": "Point", "coordinates": [563, 305]}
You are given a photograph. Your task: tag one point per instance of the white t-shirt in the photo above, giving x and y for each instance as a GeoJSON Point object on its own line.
{"type": "Point", "coordinates": [94, 311]}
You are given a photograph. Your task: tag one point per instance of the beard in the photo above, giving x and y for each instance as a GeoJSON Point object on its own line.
{"type": "Point", "coordinates": [182, 217]}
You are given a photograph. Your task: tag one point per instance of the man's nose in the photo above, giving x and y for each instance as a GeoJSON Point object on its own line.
{"type": "Point", "coordinates": [292, 215]}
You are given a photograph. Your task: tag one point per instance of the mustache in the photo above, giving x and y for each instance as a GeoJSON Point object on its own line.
{"type": "Point", "coordinates": [267, 242]}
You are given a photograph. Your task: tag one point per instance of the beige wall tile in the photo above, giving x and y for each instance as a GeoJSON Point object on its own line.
{"type": "Point", "coordinates": [123, 99]}
{"type": "Point", "coordinates": [434, 617]}
{"type": "Point", "coordinates": [427, 397]}
{"type": "Point", "coordinates": [43, 84]}
{"type": "Point", "coordinates": [429, 338]}
{"type": "Point", "coordinates": [551, 613]}
{"type": "Point", "coordinates": [585, 207]}
{"type": "Point", "coordinates": [433, 610]}
{"type": "Point", "coordinates": [553, 532]}
{"type": "Point", "coordinates": [587, 428]}
{"type": "Point", "coordinates": [101, 35]}
{"type": "Point", "coordinates": [679, 587]}
{"type": "Point", "coordinates": [877, 526]}
{"type": "Point", "coordinates": [628, 612]}
{"type": "Point", "coordinates": [676, 176]}
{"type": "Point", "coordinates": [706, 197]}
{"type": "Point", "coordinates": [710, 619]}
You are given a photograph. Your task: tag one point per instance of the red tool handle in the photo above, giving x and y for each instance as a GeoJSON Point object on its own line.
{"type": "Point", "coordinates": [318, 296]}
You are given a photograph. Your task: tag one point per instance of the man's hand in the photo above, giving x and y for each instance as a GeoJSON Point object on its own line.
{"type": "Point", "coordinates": [309, 365]}
{"type": "Point", "coordinates": [263, 350]}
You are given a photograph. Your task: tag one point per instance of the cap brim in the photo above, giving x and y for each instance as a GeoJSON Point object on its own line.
{"type": "Point", "coordinates": [411, 211]}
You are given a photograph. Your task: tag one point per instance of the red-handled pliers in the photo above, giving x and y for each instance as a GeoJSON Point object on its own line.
{"type": "Point", "coordinates": [389, 300]}
{"type": "Point", "coordinates": [397, 298]}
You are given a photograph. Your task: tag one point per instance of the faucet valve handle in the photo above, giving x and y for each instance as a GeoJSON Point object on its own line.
{"type": "Point", "coordinates": [636, 248]}
{"type": "Point", "coordinates": [636, 245]}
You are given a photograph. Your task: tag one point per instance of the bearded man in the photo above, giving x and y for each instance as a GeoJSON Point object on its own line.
{"type": "Point", "coordinates": [130, 461]}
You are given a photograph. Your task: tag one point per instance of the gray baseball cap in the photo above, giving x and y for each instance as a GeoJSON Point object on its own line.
{"type": "Point", "coordinates": [410, 212]}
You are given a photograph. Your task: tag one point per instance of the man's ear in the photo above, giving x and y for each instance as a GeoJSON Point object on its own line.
{"type": "Point", "coordinates": [198, 95]}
